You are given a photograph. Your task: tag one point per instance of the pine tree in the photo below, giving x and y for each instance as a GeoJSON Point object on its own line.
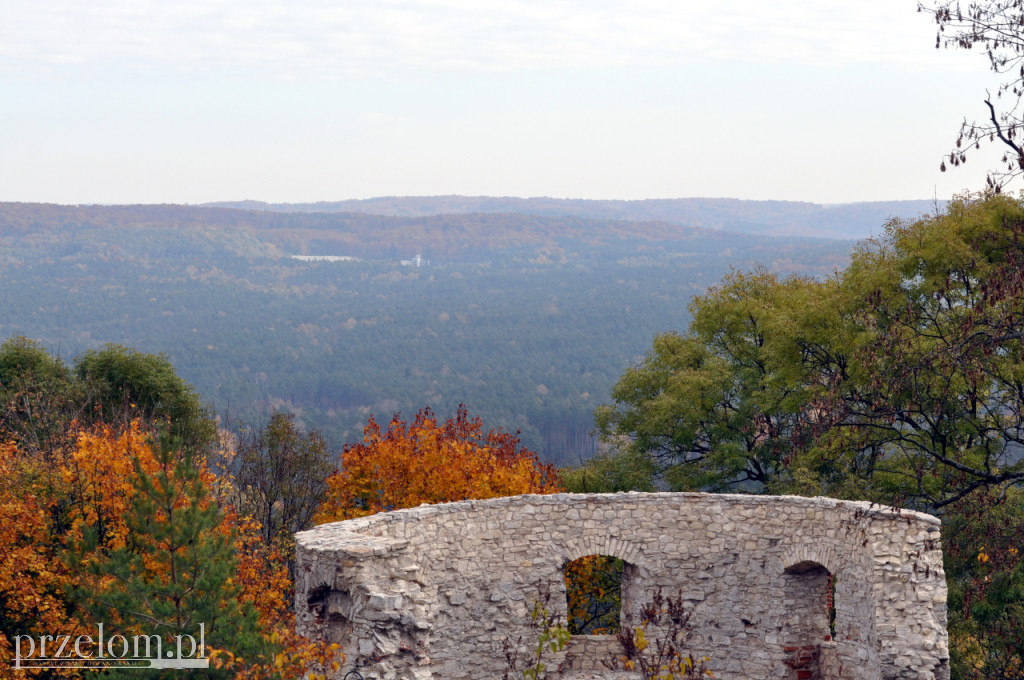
{"type": "Point", "coordinates": [175, 569]}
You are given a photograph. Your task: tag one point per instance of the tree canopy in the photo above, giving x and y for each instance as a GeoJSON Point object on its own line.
{"type": "Point", "coordinates": [117, 376]}
{"type": "Point", "coordinates": [427, 461]}
{"type": "Point", "coordinates": [901, 377]}
{"type": "Point", "coordinates": [42, 400]}
{"type": "Point", "coordinates": [281, 478]}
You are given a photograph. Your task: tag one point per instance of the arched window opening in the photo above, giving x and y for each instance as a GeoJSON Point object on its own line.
{"type": "Point", "coordinates": [813, 588]}
{"type": "Point", "coordinates": [810, 588]}
{"type": "Point", "coordinates": [593, 593]}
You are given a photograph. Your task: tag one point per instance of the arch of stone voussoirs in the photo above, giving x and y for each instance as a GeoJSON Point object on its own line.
{"type": "Point", "coordinates": [438, 592]}
{"type": "Point", "coordinates": [577, 547]}
{"type": "Point", "coordinates": [812, 552]}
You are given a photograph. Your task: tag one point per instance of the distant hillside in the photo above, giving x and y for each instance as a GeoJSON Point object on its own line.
{"type": "Point", "coordinates": [774, 218]}
{"type": "Point", "coordinates": [157, 230]}
{"type": "Point", "coordinates": [528, 319]}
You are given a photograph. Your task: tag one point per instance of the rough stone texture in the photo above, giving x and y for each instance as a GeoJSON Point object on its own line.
{"type": "Point", "coordinates": [433, 592]}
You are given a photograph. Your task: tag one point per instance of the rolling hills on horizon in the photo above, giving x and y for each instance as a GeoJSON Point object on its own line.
{"type": "Point", "coordinates": [772, 218]}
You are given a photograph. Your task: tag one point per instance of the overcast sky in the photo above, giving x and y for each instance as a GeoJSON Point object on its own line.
{"type": "Point", "coordinates": [186, 101]}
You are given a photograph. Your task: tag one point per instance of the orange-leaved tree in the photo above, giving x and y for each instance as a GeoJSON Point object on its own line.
{"type": "Point", "coordinates": [98, 477]}
{"type": "Point", "coordinates": [32, 575]}
{"type": "Point", "coordinates": [104, 520]}
{"type": "Point", "coordinates": [121, 529]}
{"type": "Point", "coordinates": [265, 584]}
{"type": "Point", "coordinates": [431, 462]}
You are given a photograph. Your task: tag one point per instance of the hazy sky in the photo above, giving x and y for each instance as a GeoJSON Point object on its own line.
{"type": "Point", "coordinates": [118, 101]}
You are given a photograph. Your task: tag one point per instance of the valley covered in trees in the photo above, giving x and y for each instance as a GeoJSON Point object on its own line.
{"type": "Point", "coordinates": [525, 319]}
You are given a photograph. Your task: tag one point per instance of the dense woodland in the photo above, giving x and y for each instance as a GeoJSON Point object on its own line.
{"type": "Point", "coordinates": [526, 319]}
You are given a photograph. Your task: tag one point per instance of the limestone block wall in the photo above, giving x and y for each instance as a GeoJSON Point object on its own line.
{"type": "Point", "coordinates": [433, 592]}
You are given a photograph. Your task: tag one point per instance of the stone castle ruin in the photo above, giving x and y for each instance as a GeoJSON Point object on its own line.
{"type": "Point", "coordinates": [433, 592]}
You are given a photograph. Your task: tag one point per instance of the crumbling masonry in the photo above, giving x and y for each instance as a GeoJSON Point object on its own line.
{"type": "Point", "coordinates": [433, 592]}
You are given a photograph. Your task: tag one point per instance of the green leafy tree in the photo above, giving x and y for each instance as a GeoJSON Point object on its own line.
{"type": "Point", "coordinates": [722, 405]}
{"type": "Point", "coordinates": [42, 400]}
{"type": "Point", "coordinates": [39, 397]}
{"type": "Point", "coordinates": [984, 567]}
{"type": "Point", "coordinates": [116, 377]}
{"type": "Point", "coordinates": [899, 380]}
{"type": "Point", "coordinates": [936, 392]}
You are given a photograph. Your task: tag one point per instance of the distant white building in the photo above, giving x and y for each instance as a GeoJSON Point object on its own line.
{"type": "Point", "coordinates": [325, 258]}
{"type": "Point", "coordinates": [417, 261]}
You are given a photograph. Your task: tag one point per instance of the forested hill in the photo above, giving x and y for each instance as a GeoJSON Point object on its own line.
{"type": "Point", "coordinates": [775, 218]}
{"type": "Point", "coordinates": [470, 237]}
{"type": "Point", "coordinates": [527, 319]}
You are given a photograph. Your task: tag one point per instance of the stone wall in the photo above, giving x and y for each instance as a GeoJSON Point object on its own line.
{"type": "Point", "coordinates": [435, 591]}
